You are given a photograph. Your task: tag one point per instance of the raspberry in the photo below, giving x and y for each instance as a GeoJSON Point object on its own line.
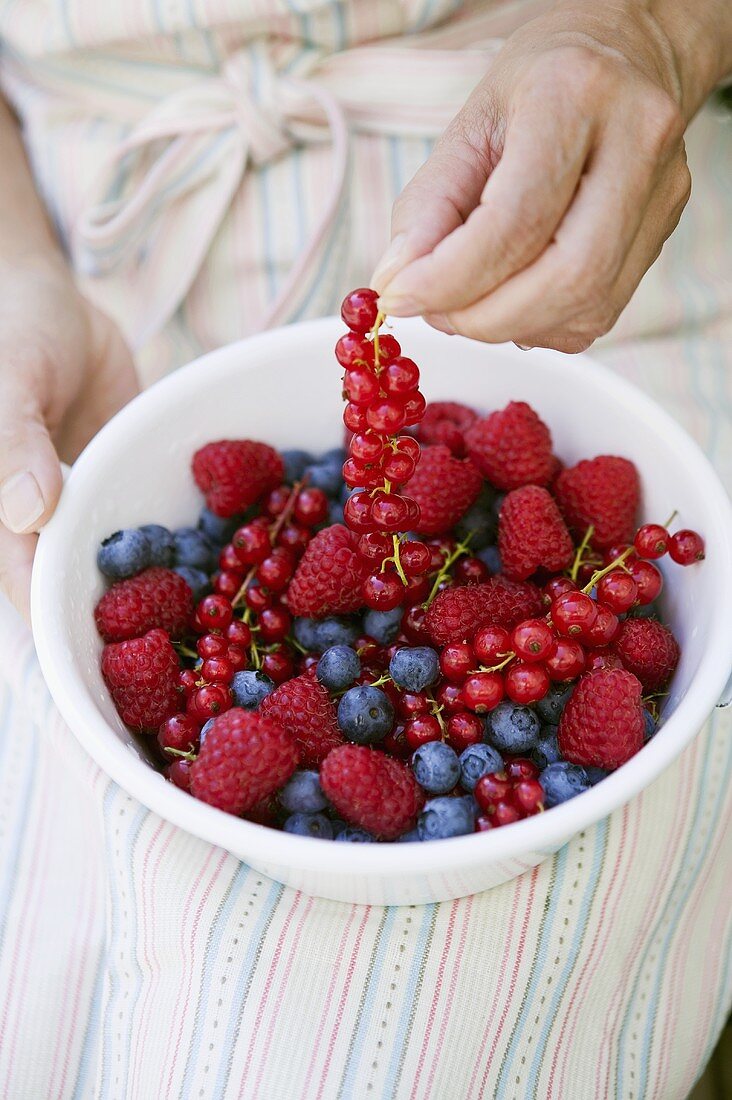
{"type": "Point", "coordinates": [649, 650]}
{"type": "Point", "coordinates": [330, 575]}
{"type": "Point", "coordinates": [303, 707]}
{"type": "Point", "coordinates": [156, 598]}
{"type": "Point", "coordinates": [234, 473]}
{"type": "Point", "coordinates": [243, 759]}
{"type": "Point", "coordinates": [602, 724]}
{"type": "Point", "coordinates": [446, 422]}
{"type": "Point", "coordinates": [371, 790]}
{"type": "Point", "coordinates": [512, 447]}
{"type": "Point", "coordinates": [603, 492]}
{"type": "Point", "coordinates": [532, 534]}
{"type": "Point", "coordinates": [444, 487]}
{"type": "Point", "coordinates": [142, 676]}
{"type": "Point", "coordinates": [457, 613]}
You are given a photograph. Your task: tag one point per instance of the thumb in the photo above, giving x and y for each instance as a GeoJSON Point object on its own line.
{"type": "Point", "coordinates": [441, 195]}
{"type": "Point", "coordinates": [30, 474]}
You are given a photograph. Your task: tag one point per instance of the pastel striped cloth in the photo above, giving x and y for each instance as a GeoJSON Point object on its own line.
{"type": "Point", "coordinates": [137, 962]}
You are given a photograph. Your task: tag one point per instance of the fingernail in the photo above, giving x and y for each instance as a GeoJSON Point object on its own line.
{"type": "Point", "coordinates": [21, 501]}
{"type": "Point", "coordinates": [390, 262]}
{"type": "Point", "coordinates": [524, 347]}
{"type": "Point", "coordinates": [441, 322]}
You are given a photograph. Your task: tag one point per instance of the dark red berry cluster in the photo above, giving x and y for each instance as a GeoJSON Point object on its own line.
{"type": "Point", "coordinates": [510, 795]}
{"type": "Point", "coordinates": [381, 388]}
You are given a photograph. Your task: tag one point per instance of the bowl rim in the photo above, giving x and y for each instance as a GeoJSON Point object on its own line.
{"type": "Point", "coordinates": [541, 833]}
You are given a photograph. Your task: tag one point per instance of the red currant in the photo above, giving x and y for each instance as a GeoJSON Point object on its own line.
{"type": "Point", "coordinates": [615, 552]}
{"type": "Point", "coordinates": [274, 624]}
{"type": "Point", "coordinates": [605, 628]}
{"type": "Point", "coordinates": [412, 703]}
{"type": "Point", "coordinates": [389, 348]}
{"type": "Point", "coordinates": [686, 547]}
{"type": "Point", "coordinates": [506, 813]}
{"type": "Point", "coordinates": [361, 386]}
{"type": "Point", "coordinates": [396, 744]}
{"type": "Point", "coordinates": [237, 657]}
{"type": "Point", "coordinates": [492, 788]}
{"type": "Point", "coordinates": [555, 587]}
{"type": "Point", "coordinates": [215, 612]}
{"type": "Point", "coordinates": [275, 571]}
{"type": "Point", "coordinates": [456, 661]}
{"type": "Point", "coordinates": [521, 768]}
{"type": "Point", "coordinates": [471, 571]}
{"type": "Point", "coordinates": [354, 417]}
{"type": "Point", "coordinates": [449, 697]}
{"type": "Point", "coordinates": [229, 559]}
{"type": "Point", "coordinates": [278, 664]}
{"type": "Point", "coordinates": [648, 579]}
{"type": "Point", "coordinates": [617, 591]}
{"type": "Point", "coordinates": [207, 702]}
{"type": "Point", "coordinates": [421, 729]}
{"type": "Point", "coordinates": [275, 502]}
{"type": "Point", "coordinates": [601, 658]}
{"type": "Point", "coordinates": [353, 349]}
{"type": "Point", "coordinates": [463, 729]}
{"type": "Point", "coordinates": [228, 583]}
{"type": "Point", "coordinates": [408, 445]}
{"type": "Point", "coordinates": [357, 512]}
{"type": "Point", "coordinates": [401, 377]}
{"type": "Point", "coordinates": [179, 732]}
{"type": "Point", "coordinates": [415, 558]}
{"type": "Point", "coordinates": [483, 823]}
{"type": "Point", "coordinates": [491, 645]}
{"type": "Point", "coordinates": [387, 415]}
{"type": "Point", "coordinates": [389, 511]}
{"type": "Point", "coordinates": [218, 670]}
{"type": "Point", "coordinates": [212, 645]}
{"type": "Point", "coordinates": [413, 624]}
{"type": "Point", "coordinates": [651, 541]}
{"type": "Point", "coordinates": [294, 537]}
{"type": "Point", "coordinates": [311, 507]}
{"type": "Point", "coordinates": [573, 613]}
{"type": "Point", "coordinates": [566, 660]}
{"type": "Point", "coordinates": [417, 590]}
{"type": "Point", "coordinates": [187, 681]}
{"type": "Point", "coordinates": [375, 546]}
{"type": "Point", "coordinates": [532, 640]}
{"type": "Point", "coordinates": [239, 633]}
{"type": "Point", "coordinates": [414, 407]}
{"type": "Point", "coordinates": [359, 309]}
{"type": "Point", "coordinates": [179, 774]}
{"type": "Point", "coordinates": [398, 468]}
{"type": "Point", "coordinates": [528, 794]}
{"type": "Point", "coordinates": [257, 598]}
{"type": "Point", "coordinates": [369, 649]}
{"type": "Point", "coordinates": [382, 591]}
{"type": "Point", "coordinates": [251, 543]}
{"type": "Point", "coordinates": [482, 691]}
{"type": "Point", "coordinates": [526, 683]}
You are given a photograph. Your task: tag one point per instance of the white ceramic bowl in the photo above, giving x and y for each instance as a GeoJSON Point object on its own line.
{"type": "Point", "coordinates": [283, 387]}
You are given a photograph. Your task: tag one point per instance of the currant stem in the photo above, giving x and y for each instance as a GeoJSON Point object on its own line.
{"type": "Point", "coordinates": [460, 549]}
{"type": "Point", "coordinates": [616, 564]}
{"type": "Point", "coordinates": [190, 755]}
{"type": "Point", "coordinates": [380, 318]}
{"type": "Point", "coordinates": [671, 518]}
{"type": "Point", "coordinates": [398, 561]}
{"type": "Point", "coordinates": [494, 668]}
{"type": "Point", "coordinates": [580, 552]}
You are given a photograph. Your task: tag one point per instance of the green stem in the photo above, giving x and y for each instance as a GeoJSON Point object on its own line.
{"type": "Point", "coordinates": [616, 564]}
{"type": "Point", "coordinates": [580, 552]}
{"type": "Point", "coordinates": [460, 549]}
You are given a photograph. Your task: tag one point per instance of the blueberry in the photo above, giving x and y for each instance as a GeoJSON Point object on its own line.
{"type": "Point", "coordinates": [547, 748]}
{"type": "Point", "coordinates": [365, 714]}
{"type": "Point", "coordinates": [414, 667]}
{"type": "Point", "coordinates": [336, 456]}
{"type": "Point", "coordinates": [595, 775]}
{"type": "Point", "coordinates": [498, 503]}
{"type": "Point", "coordinates": [551, 706]}
{"type": "Point", "coordinates": [249, 688]}
{"type": "Point", "coordinates": [476, 761]}
{"type": "Point", "coordinates": [335, 512]}
{"type": "Point", "coordinates": [123, 554]}
{"type": "Point", "coordinates": [315, 825]}
{"type": "Point", "coordinates": [383, 625]}
{"type": "Point", "coordinates": [352, 835]}
{"type": "Point", "coordinates": [218, 529]}
{"type": "Point", "coordinates": [338, 668]}
{"type": "Point", "coordinates": [329, 478]}
{"type": "Point", "coordinates": [205, 730]}
{"type": "Point", "coordinates": [161, 542]}
{"type": "Point", "coordinates": [196, 580]}
{"type": "Point", "coordinates": [491, 558]}
{"type": "Point", "coordinates": [193, 548]}
{"type": "Point", "coordinates": [317, 635]}
{"type": "Point", "coordinates": [302, 794]}
{"type": "Point", "coordinates": [513, 728]}
{"type": "Point", "coordinates": [444, 817]}
{"type": "Point", "coordinates": [295, 462]}
{"type": "Point", "coordinates": [650, 725]}
{"type": "Point", "coordinates": [562, 781]}
{"type": "Point", "coordinates": [436, 767]}
{"type": "Point", "coordinates": [479, 522]}
{"type": "Point", "coordinates": [411, 837]}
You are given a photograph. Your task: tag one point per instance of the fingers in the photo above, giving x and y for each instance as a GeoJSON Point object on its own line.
{"type": "Point", "coordinates": [30, 475]}
{"type": "Point", "coordinates": [441, 195]}
{"type": "Point", "coordinates": [16, 564]}
{"type": "Point", "coordinates": [520, 208]}
{"type": "Point", "coordinates": [576, 289]}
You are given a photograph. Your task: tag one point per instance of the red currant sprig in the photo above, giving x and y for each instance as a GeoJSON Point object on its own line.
{"type": "Point", "coordinates": [381, 388]}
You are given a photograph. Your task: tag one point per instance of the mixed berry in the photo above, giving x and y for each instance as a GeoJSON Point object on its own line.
{"type": "Point", "coordinates": [435, 631]}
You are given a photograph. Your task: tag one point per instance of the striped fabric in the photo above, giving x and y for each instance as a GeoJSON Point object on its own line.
{"type": "Point", "coordinates": [138, 962]}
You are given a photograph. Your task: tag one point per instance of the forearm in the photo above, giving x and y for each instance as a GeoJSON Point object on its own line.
{"type": "Point", "coordinates": [26, 234]}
